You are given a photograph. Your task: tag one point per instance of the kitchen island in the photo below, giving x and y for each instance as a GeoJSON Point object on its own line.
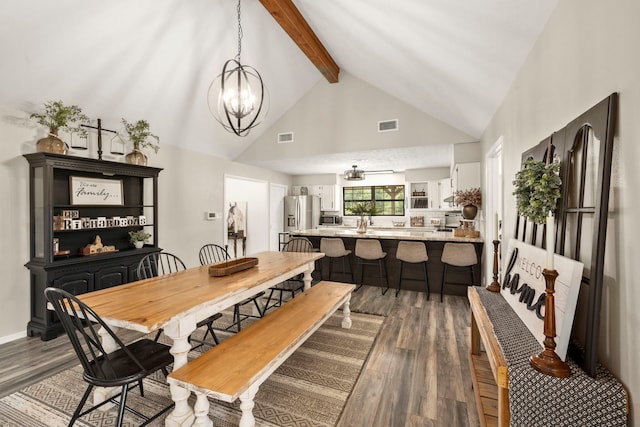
{"type": "Point", "coordinates": [389, 238]}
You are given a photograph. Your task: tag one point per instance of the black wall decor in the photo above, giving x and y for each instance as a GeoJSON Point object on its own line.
{"type": "Point", "coordinates": [584, 148]}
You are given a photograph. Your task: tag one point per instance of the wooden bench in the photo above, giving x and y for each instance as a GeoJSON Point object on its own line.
{"type": "Point", "coordinates": [240, 364]}
{"type": "Point", "coordinates": [489, 372]}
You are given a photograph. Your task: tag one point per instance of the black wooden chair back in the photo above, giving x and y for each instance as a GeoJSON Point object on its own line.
{"type": "Point", "coordinates": [122, 367]}
{"type": "Point", "coordinates": [298, 244]}
{"type": "Point", "coordinates": [158, 264]}
{"type": "Point", "coordinates": [211, 253]}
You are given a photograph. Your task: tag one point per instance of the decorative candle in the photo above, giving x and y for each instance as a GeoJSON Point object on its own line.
{"type": "Point", "coordinates": [495, 226]}
{"type": "Point", "coordinates": [551, 241]}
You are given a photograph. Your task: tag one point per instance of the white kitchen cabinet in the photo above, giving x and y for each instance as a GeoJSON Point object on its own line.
{"type": "Point", "coordinates": [434, 194]}
{"type": "Point", "coordinates": [419, 195]}
{"type": "Point", "coordinates": [329, 195]}
{"type": "Point", "coordinates": [446, 190]}
{"type": "Point", "coordinates": [466, 176]}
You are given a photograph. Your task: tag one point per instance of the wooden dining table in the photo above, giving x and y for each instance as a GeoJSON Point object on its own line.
{"type": "Point", "coordinates": [176, 302]}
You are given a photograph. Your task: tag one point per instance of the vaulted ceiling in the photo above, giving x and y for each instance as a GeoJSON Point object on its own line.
{"type": "Point", "coordinates": [155, 59]}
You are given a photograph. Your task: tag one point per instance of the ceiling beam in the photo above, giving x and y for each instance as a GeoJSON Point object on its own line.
{"type": "Point", "coordinates": [294, 24]}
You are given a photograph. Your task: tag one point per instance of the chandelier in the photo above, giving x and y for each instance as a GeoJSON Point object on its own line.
{"type": "Point", "coordinates": [354, 174]}
{"type": "Point", "coordinates": [237, 96]}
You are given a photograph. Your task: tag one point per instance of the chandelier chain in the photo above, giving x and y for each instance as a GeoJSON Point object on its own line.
{"type": "Point", "coordinates": [240, 34]}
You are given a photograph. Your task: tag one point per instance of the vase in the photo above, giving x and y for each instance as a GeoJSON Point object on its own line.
{"type": "Point", "coordinates": [136, 157]}
{"type": "Point", "coordinates": [52, 144]}
{"type": "Point", "coordinates": [138, 244]}
{"type": "Point", "coordinates": [362, 225]}
{"type": "Point", "coordinates": [469, 211]}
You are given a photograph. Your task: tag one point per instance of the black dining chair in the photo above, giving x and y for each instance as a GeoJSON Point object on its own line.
{"type": "Point", "coordinates": [295, 284]}
{"type": "Point", "coordinates": [212, 253]}
{"type": "Point", "coordinates": [161, 263]}
{"type": "Point", "coordinates": [124, 367]}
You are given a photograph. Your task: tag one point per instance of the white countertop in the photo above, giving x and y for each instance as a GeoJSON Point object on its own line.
{"type": "Point", "coordinates": [400, 233]}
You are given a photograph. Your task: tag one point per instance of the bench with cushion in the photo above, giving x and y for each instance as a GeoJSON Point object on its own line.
{"type": "Point", "coordinates": [240, 364]}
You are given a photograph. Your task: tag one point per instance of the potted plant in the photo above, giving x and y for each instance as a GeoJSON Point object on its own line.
{"type": "Point", "coordinates": [138, 238]}
{"type": "Point", "coordinates": [362, 209]}
{"type": "Point", "coordinates": [57, 116]}
{"type": "Point", "coordinates": [141, 137]}
{"type": "Point", "coordinates": [470, 200]}
{"type": "Point", "coordinates": [537, 190]}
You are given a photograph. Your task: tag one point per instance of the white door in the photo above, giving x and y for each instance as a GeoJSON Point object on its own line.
{"type": "Point", "coordinates": [276, 214]}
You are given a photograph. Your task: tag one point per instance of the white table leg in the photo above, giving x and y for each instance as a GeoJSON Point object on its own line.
{"type": "Point", "coordinates": [100, 394]}
{"type": "Point", "coordinates": [307, 276]}
{"type": "Point", "coordinates": [182, 414]}
{"type": "Point", "coordinates": [201, 410]}
{"type": "Point", "coordinates": [346, 313]}
{"type": "Point", "coordinates": [246, 405]}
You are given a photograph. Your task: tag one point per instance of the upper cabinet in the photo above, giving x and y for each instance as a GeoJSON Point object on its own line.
{"type": "Point", "coordinates": [465, 176]}
{"type": "Point", "coordinates": [328, 194]}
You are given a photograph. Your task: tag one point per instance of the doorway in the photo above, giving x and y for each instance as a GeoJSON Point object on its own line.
{"type": "Point", "coordinates": [276, 214]}
{"type": "Point", "coordinates": [254, 193]}
{"type": "Point", "coordinates": [493, 223]}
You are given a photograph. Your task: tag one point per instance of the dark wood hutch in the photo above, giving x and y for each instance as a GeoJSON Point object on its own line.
{"type": "Point", "coordinates": [55, 258]}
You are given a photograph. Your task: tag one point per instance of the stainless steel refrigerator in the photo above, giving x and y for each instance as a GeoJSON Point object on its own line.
{"type": "Point", "coordinates": [301, 212]}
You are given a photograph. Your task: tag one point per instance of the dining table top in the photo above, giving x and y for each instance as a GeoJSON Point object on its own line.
{"type": "Point", "coordinates": [150, 304]}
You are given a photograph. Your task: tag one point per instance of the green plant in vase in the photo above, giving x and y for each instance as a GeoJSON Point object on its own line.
{"type": "Point", "coordinates": [362, 209]}
{"type": "Point", "coordinates": [140, 135]}
{"type": "Point", "coordinates": [58, 116]}
{"type": "Point", "coordinates": [138, 238]}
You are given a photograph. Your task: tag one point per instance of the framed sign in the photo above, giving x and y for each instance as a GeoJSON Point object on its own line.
{"type": "Point", "coordinates": [524, 289]}
{"type": "Point", "coordinates": [95, 191]}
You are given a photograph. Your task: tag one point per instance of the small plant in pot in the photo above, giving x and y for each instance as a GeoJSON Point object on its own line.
{"type": "Point", "coordinates": [138, 238]}
{"type": "Point", "coordinates": [470, 200]}
{"type": "Point", "coordinates": [140, 135]}
{"type": "Point", "coordinates": [58, 116]}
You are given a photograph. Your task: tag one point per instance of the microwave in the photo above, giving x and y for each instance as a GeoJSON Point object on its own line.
{"type": "Point", "coordinates": [330, 219]}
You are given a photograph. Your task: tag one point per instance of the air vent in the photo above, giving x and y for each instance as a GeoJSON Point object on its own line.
{"type": "Point", "coordinates": [285, 137]}
{"type": "Point", "coordinates": [388, 125]}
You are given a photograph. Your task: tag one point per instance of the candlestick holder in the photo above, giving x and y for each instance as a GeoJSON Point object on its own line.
{"type": "Point", "coordinates": [495, 285]}
{"type": "Point", "coordinates": [548, 362]}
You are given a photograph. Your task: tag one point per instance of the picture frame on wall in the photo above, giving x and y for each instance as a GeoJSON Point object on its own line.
{"type": "Point", "coordinates": [95, 191]}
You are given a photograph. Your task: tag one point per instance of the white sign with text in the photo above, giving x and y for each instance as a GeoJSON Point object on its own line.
{"type": "Point", "coordinates": [524, 287]}
{"type": "Point", "coordinates": [95, 191]}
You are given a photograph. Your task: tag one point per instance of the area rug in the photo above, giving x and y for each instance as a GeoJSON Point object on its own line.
{"type": "Point", "coordinates": [309, 389]}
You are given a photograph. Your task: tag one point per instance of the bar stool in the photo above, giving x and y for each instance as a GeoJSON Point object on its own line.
{"type": "Point", "coordinates": [369, 252]}
{"type": "Point", "coordinates": [333, 248]}
{"type": "Point", "coordinates": [458, 255]}
{"type": "Point", "coordinates": [413, 253]}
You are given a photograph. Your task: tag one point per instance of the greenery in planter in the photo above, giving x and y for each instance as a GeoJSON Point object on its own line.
{"type": "Point", "coordinates": [140, 135]}
{"type": "Point", "coordinates": [470, 197]}
{"type": "Point", "coordinates": [537, 189]}
{"type": "Point", "coordinates": [362, 208]}
{"type": "Point", "coordinates": [138, 236]}
{"type": "Point", "coordinates": [58, 116]}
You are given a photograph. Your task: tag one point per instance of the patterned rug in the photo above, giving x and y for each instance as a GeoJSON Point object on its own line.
{"type": "Point", "coordinates": [309, 389]}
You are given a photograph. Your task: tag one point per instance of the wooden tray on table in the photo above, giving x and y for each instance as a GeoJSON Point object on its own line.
{"type": "Point", "coordinates": [226, 268]}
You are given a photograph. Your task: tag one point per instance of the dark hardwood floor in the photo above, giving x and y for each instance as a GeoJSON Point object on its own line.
{"type": "Point", "coordinates": [417, 373]}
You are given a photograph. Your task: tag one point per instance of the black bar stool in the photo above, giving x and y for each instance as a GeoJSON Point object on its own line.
{"type": "Point", "coordinates": [458, 255]}
{"type": "Point", "coordinates": [333, 248]}
{"type": "Point", "coordinates": [369, 252]}
{"type": "Point", "coordinates": [413, 253]}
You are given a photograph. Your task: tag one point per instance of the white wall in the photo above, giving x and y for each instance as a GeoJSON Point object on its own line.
{"type": "Point", "coordinates": [190, 184]}
{"type": "Point", "coordinates": [588, 50]}
{"type": "Point", "coordinates": [343, 117]}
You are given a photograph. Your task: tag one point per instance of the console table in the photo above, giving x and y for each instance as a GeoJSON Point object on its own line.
{"type": "Point", "coordinates": [510, 392]}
